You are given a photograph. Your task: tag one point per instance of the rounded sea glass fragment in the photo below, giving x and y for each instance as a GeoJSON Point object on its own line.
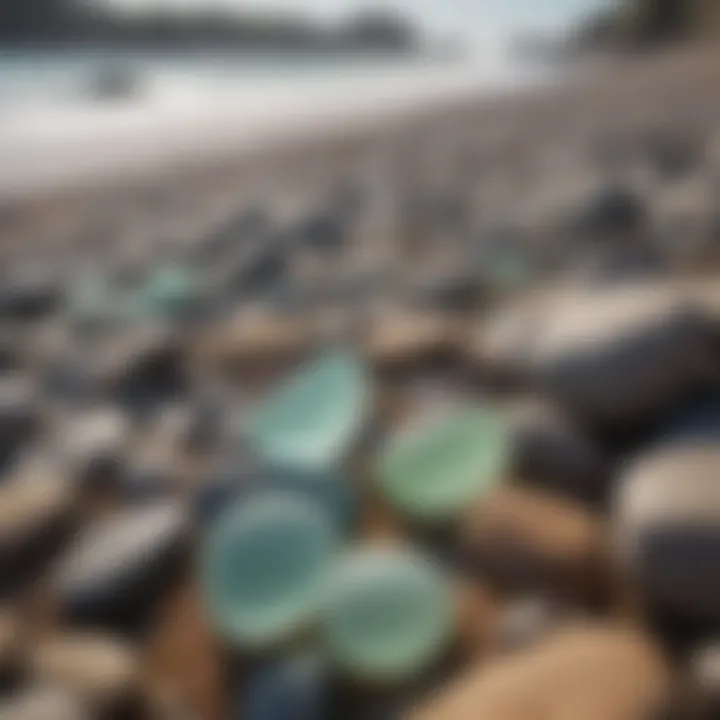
{"type": "Point", "coordinates": [389, 614]}
{"type": "Point", "coordinates": [265, 568]}
{"type": "Point", "coordinates": [311, 421]}
{"type": "Point", "coordinates": [441, 465]}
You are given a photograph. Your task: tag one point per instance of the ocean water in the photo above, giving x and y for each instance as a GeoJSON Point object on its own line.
{"type": "Point", "coordinates": [53, 126]}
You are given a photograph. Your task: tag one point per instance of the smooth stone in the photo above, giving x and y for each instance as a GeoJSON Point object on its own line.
{"type": "Point", "coordinates": [146, 368]}
{"type": "Point", "coordinates": [501, 346]}
{"type": "Point", "coordinates": [524, 622]}
{"type": "Point", "coordinates": [256, 269]}
{"type": "Point", "coordinates": [399, 339]}
{"type": "Point", "coordinates": [455, 291]}
{"type": "Point", "coordinates": [117, 566]}
{"type": "Point", "coordinates": [265, 568]}
{"type": "Point", "coordinates": [704, 679]}
{"type": "Point", "coordinates": [532, 541]}
{"type": "Point", "coordinates": [296, 688]}
{"type": "Point", "coordinates": [44, 703]}
{"type": "Point", "coordinates": [256, 338]}
{"type": "Point", "coordinates": [102, 671]}
{"type": "Point", "coordinates": [312, 420]}
{"type": "Point", "coordinates": [584, 672]}
{"type": "Point", "coordinates": [613, 213]}
{"type": "Point", "coordinates": [389, 614]}
{"type": "Point", "coordinates": [552, 449]}
{"type": "Point", "coordinates": [672, 154]}
{"type": "Point", "coordinates": [34, 503]}
{"type": "Point", "coordinates": [666, 522]}
{"type": "Point", "coordinates": [621, 355]}
{"type": "Point", "coordinates": [437, 466]}
{"type": "Point", "coordinates": [701, 423]}
{"type": "Point", "coordinates": [29, 294]}
{"type": "Point", "coordinates": [95, 306]}
{"type": "Point", "coordinates": [324, 232]}
{"type": "Point", "coordinates": [20, 416]}
{"type": "Point", "coordinates": [10, 643]}
{"type": "Point", "coordinates": [151, 473]}
{"type": "Point", "coordinates": [95, 444]}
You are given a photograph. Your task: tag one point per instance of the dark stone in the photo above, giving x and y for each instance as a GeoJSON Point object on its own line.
{"type": "Point", "coordinates": [614, 213]}
{"type": "Point", "coordinates": [549, 447]}
{"type": "Point", "coordinates": [29, 295]}
{"type": "Point", "coordinates": [293, 689]}
{"type": "Point", "coordinates": [19, 418]}
{"type": "Point", "coordinates": [667, 529]}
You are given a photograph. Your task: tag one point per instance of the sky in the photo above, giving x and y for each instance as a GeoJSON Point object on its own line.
{"type": "Point", "coordinates": [489, 19]}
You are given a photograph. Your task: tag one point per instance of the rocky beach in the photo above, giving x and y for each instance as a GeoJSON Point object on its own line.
{"type": "Point", "coordinates": [414, 418]}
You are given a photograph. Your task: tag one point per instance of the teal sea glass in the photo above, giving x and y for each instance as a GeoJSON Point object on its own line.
{"type": "Point", "coordinates": [171, 293]}
{"type": "Point", "coordinates": [265, 568]}
{"type": "Point", "coordinates": [389, 614]}
{"type": "Point", "coordinates": [311, 421]}
{"type": "Point", "coordinates": [441, 465]}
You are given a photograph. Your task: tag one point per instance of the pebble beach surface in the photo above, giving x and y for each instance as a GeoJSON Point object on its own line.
{"type": "Point", "coordinates": [421, 422]}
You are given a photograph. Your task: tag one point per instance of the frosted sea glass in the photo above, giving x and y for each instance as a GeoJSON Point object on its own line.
{"type": "Point", "coordinates": [439, 466]}
{"type": "Point", "coordinates": [389, 614]}
{"type": "Point", "coordinates": [265, 568]}
{"type": "Point", "coordinates": [311, 421]}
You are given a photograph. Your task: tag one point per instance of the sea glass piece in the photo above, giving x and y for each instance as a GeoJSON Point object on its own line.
{"type": "Point", "coordinates": [172, 293]}
{"type": "Point", "coordinates": [311, 421]}
{"type": "Point", "coordinates": [389, 614]}
{"type": "Point", "coordinates": [265, 569]}
{"type": "Point", "coordinates": [441, 465]}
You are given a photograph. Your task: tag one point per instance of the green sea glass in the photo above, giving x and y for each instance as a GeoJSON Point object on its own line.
{"type": "Point", "coordinates": [311, 421]}
{"type": "Point", "coordinates": [265, 568]}
{"type": "Point", "coordinates": [389, 614]}
{"type": "Point", "coordinates": [440, 466]}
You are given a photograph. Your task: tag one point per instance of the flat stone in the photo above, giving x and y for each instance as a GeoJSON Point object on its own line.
{"type": "Point", "coordinates": [34, 503]}
{"type": "Point", "coordinates": [95, 443]}
{"type": "Point", "coordinates": [44, 703]}
{"type": "Point", "coordinates": [256, 338]}
{"type": "Point", "coordinates": [103, 671]}
{"type": "Point", "coordinates": [117, 566]}
{"type": "Point", "coordinates": [531, 541]}
{"type": "Point", "coordinates": [585, 672]}
{"type": "Point", "coordinates": [406, 338]}
{"type": "Point", "coordinates": [666, 522]}
{"type": "Point", "coordinates": [20, 416]}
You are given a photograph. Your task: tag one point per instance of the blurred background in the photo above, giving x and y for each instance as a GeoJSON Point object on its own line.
{"type": "Point", "coordinates": [359, 359]}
